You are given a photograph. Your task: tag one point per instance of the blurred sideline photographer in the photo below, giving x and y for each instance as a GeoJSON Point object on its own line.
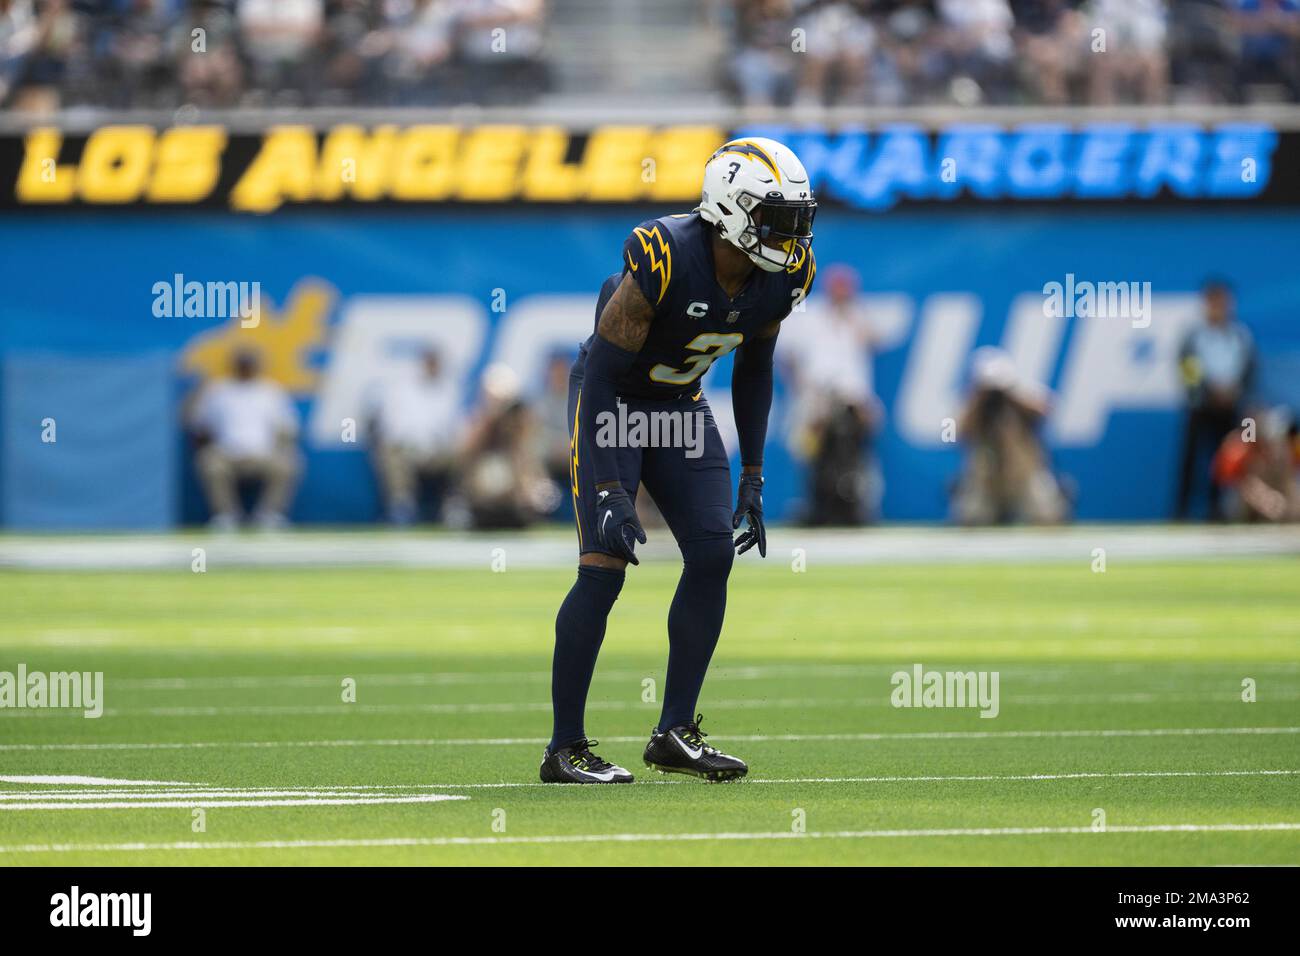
{"type": "Point", "coordinates": [1217, 361]}
{"type": "Point", "coordinates": [246, 430]}
{"type": "Point", "coordinates": [1006, 477]}
{"type": "Point", "coordinates": [551, 407]}
{"type": "Point", "coordinates": [834, 411]}
{"type": "Point", "coordinates": [503, 483]}
{"type": "Point", "coordinates": [1260, 474]}
{"type": "Point", "coordinates": [413, 422]}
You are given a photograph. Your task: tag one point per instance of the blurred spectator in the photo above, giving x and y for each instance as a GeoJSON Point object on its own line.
{"type": "Point", "coordinates": [978, 47]}
{"type": "Point", "coordinates": [1135, 56]}
{"type": "Point", "coordinates": [1217, 361]}
{"type": "Point", "coordinates": [355, 44]}
{"type": "Point", "coordinates": [211, 73]}
{"type": "Point", "coordinates": [763, 66]}
{"type": "Point", "coordinates": [18, 37]}
{"type": "Point", "coordinates": [834, 410]}
{"type": "Point", "coordinates": [36, 46]}
{"type": "Point", "coordinates": [1261, 476]}
{"type": "Point", "coordinates": [413, 423]}
{"type": "Point", "coordinates": [841, 41]}
{"type": "Point", "coordinates": [280, 38]}
{"type": "Point", "coordinates": [908, 67]}
{"type": "Point", "coordinates": [1052, 41]}
{"type": "Point", "coordinates": [498, 46]}
{"type": "Point", "coordinates": [420, 33]}
{"type": "Point", "coordinates": [1006, 477]}
{"type": "Point", "coordinates": [1203, 50]}
{"type": "Point", "coordinates": [502, 480]}
{"type": "Point", "coordinates": [142, 53]}
{"type": "Point", "coordinates": [246, 428]}
{"type": "Point", "coordinates": [1270, 43]}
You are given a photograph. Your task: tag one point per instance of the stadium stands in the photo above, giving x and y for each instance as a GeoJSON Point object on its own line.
{"type": "Point", "coordinates": [137, 53]}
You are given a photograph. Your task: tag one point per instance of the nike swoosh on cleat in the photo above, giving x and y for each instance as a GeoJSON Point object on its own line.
{"type": "Point", "coordinates": [693, 754]}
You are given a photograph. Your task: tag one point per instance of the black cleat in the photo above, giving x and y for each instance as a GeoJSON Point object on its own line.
{"type": "Point", "coordinates": [682, 749]}
{"type": "Point", "coordinates": [577, 764]}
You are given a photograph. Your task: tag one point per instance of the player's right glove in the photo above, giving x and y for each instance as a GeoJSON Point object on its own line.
{"type": "Point", "coordinates": [617, 528]}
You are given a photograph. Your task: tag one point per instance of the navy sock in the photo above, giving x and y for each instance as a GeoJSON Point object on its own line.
{"type": "Point", "coordinates": [579, 631]}
{"type": "Point", "coordinates": [694, 623]}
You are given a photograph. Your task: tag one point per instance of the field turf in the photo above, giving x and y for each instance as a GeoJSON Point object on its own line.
{"type": "Point", "coordinates": [1120, 699]}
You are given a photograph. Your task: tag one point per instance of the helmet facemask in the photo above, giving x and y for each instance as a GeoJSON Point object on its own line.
{"type": "Point", "coordinates": [775, 226]}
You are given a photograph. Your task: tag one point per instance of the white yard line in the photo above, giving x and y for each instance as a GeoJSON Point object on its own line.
{"type": "Point", "coordinates": [522, 707]}
{"type": "Point", "coordinates": [646, 838]}
{"type": "Point", "coordinates": [746, 738]}
{"type": "Point", "coordinates": [75, 779]}
{"type": "Point", "coordinates": [256, 681]}
{"type": "Point", "coordinates": [225, 802]}
{"type": "Point", "coordinates": [201, 793]}
{"type": "Point", "coordinates": [1024, 673]}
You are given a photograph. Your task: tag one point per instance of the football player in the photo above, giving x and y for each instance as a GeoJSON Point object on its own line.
{"type": "Point", "coordinates": [693, 288]}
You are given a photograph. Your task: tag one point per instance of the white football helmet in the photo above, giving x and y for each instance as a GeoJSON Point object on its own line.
{"type": "Point", "coordinates": [757, 194]}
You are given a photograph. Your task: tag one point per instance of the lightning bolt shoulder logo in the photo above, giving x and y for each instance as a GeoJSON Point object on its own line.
{"type": "Point", "coordinates": [657, 254]}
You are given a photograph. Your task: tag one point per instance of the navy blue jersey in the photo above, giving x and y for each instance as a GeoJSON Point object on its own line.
{"type": "Point", "coordinates": [695, 321]}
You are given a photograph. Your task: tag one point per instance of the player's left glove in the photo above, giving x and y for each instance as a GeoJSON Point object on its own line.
{"type": "Point", "coordinates": [749, 507]}
{"type": "Point", "coordinates": [620, 529]}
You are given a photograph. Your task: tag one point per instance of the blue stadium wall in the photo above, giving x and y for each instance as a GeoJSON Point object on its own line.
{"type": "Point", "coordinates": [82, 346]}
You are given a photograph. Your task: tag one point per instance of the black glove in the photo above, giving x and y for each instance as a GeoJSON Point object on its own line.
{"type": "Point", "coordinates": [617, 527]}
{"type": "Point", "coordinates": [749, 505]}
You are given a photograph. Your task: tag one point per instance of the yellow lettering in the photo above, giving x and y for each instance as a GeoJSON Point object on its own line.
{"type": "Point", "coordinates": [41, 178]}
{"type": "Point", "coordinates": [611, 165]}
{"type": "Point", "coordinates": [680, 153]}
{"type": "Point", "coordinates": [425, 166]}
{"type": "Point", "coordinates": [115, 164]}
{"type": "Point", "coordinates": [546, 176]}
{"type": "Point", "coordinates": [355, 163]}
{"type": "Point", "coordinates": [283, 169]}
{"type": "Point", "coordinates": [489, 163]}
{"type": "Point", "coordinates": [187, 164]}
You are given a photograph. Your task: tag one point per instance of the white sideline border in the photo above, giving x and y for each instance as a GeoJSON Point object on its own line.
{"type": "Point", "coordinates": [649, 838]}
{"type": "Point", "coordinates": [745, 738]}
{"type": "Point", "coordinates": [553, 548]}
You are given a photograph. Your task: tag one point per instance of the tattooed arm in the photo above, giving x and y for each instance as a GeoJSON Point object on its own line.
{"type": "Point", "coordinates": [626, 319]}
{"type": "Point", "coordinates": [622, 330]}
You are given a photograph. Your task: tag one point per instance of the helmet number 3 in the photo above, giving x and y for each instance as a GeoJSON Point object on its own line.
{"type": "Point", "coordinates": [710, 345]}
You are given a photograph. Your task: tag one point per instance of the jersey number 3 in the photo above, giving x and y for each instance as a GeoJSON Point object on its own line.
{"type": "Point", "coordinates": [710, 345]}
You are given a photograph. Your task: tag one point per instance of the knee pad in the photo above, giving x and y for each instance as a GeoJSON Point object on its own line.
{"type": "Point", "coordinates": [711, 556]}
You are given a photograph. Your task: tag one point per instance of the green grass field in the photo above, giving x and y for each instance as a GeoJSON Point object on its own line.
{"type": "Point", "coordinates": [1120, 692]}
